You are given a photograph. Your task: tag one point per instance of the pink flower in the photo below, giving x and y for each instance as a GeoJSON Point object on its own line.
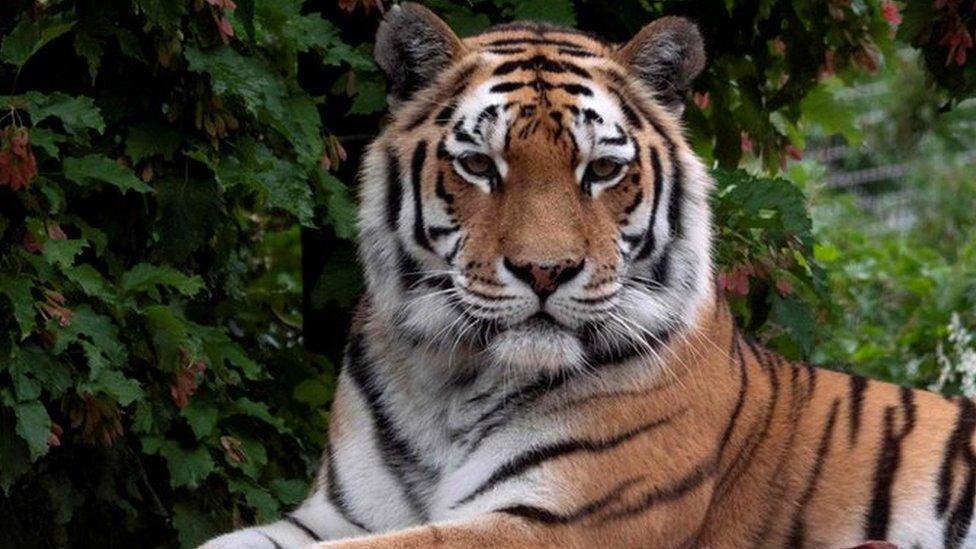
{"type": "Point", "coordinates": [745, 142]}
{"type": "Point", "coordinates": [890, 12]}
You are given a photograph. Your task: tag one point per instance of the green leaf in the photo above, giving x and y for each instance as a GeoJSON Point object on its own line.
{"type": "Point", "coordinates": [798, 319]}
{"type": "Point", "coordinates": [168, 335]}
{"type": "Point", "coordinates": [152, 139]}
{"type": "Point", "coordinates": [34, 426]}
{"type": "Point", "coordinates": [14, 454]}
{"type": "Point", "coordinates": [258, 498]}
{"type": "Point", "coordinates": [113, 383]}
{"type": "Point", "coordinates": [556, 11]}
{"type": "Point", "coordinates": [245, 78]}
{"type": "Point", "coordinates": [165, 14]}
{"type": "Point", "coordinates": [284, 184]}
{"type": "Point", "coordinates": [29, 36]}
{"type": "Point", "coordinates": [90, 48]}
{"type": "Point", "coordinates": [290, 492]}
{"type": "Point", "coordinates": [32, 369]}
{"type": "Point", "coordinates": [75, 113]}
{"type": "Point", "coordinates": [47, 140]}
{"type": "Point", "coordinates": [201, 416]}
{"type": "Point", "coordinates": [193, 525]}
{"type": "Point", "coordinates": [18, 291]}
{"type": "Point", "coordinates": [147, 278]}
{"type": "Point", "coordinates": [370, 97]}
{"type": "Point", "coordinates": [258, 410]}
{"type": "Point", "coordinates": [98, 168]}
{"type": "Point", "coordinates": [316, 392]}
{"type": "Point", "coordinates": [187, 467]}
{"type": "Point", "coordinates": [99, 329]}
{"type": "Point", "coordinates": [63, 252]}
{"type": "Point", "coordinates": [91, 282]}
{"type": "Point", "coordinates": [303, 127]}
{"type": "Point", "coordinates": [189, 211]}
{"type": "Point", "coordinates": [342, 207]}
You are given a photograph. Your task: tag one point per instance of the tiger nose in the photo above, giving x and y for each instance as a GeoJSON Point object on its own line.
{"type": "Point", "coordinates": [545, 278]}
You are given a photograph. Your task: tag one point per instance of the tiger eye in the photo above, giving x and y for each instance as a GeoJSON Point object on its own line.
{"type": "Point", "coordinates": [603, 168]}
{"type": "Point", "coordinates": [477, 164]}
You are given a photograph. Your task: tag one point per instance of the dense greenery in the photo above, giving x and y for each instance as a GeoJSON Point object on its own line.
{"type": "Point", "coordinates": [177, 212]}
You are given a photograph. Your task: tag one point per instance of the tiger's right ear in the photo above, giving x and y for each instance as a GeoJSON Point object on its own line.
{"type": "Point", "coordinates": [412, 47]}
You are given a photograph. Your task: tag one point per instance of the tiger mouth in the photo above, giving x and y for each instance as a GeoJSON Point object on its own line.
{"type": "Point", "coordinates": [543, 321]}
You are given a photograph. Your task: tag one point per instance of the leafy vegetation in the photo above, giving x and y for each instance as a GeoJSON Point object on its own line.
{"type": "Point", "coordinates": [177, 216]}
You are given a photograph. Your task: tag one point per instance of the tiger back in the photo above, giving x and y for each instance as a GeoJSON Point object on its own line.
{"type": "Point", "coordinates": [542, 357]}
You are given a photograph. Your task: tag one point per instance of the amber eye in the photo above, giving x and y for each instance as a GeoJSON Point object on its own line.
{"type": "Point", "coordinates": [477, 164]}
{"type": "Point", "coordinates": [603, 169]}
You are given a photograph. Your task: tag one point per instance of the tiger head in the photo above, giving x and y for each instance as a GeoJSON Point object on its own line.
{"type": "Point", "coordinates": [533, 200]}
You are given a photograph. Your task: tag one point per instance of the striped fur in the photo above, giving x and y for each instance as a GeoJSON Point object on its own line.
{"type": "Point", "coordinates": [622, 408]}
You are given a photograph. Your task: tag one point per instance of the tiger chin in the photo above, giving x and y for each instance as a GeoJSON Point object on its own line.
{"type": "Point", "coordinates": [542, 358]}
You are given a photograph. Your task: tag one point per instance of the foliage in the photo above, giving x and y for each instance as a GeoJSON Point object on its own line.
{"type": "Point", "coordinates": [151, 364]}
{"type": "Point", "coordinates": [944, 30]}
{"type": "Point", "coordinates": [168, 168]}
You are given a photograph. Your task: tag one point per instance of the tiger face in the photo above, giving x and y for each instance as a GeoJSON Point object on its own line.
{"type": "Point", "coordinates": [533, 200]}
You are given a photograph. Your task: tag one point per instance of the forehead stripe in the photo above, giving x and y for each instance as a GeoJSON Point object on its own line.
{"type": "Point", "coordinates": [542, 63]}
{"type": "Point", "coordinates": [536, 41]}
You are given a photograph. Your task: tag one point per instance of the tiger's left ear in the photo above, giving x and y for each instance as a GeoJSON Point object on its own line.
{"type": "Point", "coordinates": [412, 47]}
{"type": "Point", "coordinates": [667, 54]}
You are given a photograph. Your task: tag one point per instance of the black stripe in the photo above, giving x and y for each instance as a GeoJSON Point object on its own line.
{"type": "Point", "coordinates": [445, 114]}
{"type": "Point", "coordinates": [539, 63]}
{"type": "Point", "coordinates": [635, 203]}
{"type": "Point", "coordinates": [959, 521]}
{"type": "Point", "coordinates": [497, 416]}
{"type": "Point", "coordinates": [658, 174]}
{"type": "Point", "coordinates": [441, 191]}
{"type": "Point", "coordinates": [410, 275]}
{"type": "Point", "coordinates": [506, 51]}
{"type": "Point", "coordinates": [759, 430]}
{"type": "Point", "coordinates": [573, 52]}
{"type": "Point", "coordinates": [798, 531]}
{"type": "Point", "coordinates": [505, 87]}
{"type": "Point", "coordinates": [303, 527]}
{"type": "Point", "coordinates": [590, 116]}
{"type": "Point", "coordinates": [436, 232]}
{"type": "Point", "coordinates": [538, 514]}
{"type": "Point", "coordinates": [889, 458]}
{"type": "Point", "coordinates": [394, 190]}
{"type": "Point", "coordinates": [576, 89]}
{"type": "Point", "coordinates": [602, 356]}
{"type": "Point", "coordinates": [856, 404]}
{"type": "Point", "coordinates": [677, 191]}
{"type": "Point", "coordinates": [629, 113]}
{"type": "Point", "coordinates": [679, 489]}
{"type": "Point", "coordinates": [958, 445]}
{"type": "Point", "coordinates": [399, 457]}
{"type": "Point", "coordinates": [273, 541]}
{"type": "Point", "coordinates": [958, 448]}
{"type": "Point", "coordinates": [532, 458]}
{"type": "Point", "coordinates": [537, 41]}
{"type": "Point", "coordinates": [416, 171]}
{"type": "Point", "coordinates": [735, 354]}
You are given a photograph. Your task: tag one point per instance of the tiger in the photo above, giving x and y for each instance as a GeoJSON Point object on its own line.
{"type": "Point", "coordinates": [543, 356]}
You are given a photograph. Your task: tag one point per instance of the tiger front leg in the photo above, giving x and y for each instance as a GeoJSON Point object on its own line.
{"type": "Point", "coordinates": [494, 530]}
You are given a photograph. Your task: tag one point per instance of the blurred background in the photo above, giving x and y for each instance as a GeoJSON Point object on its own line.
{"type": "Point", "coordinates": [177, 206]}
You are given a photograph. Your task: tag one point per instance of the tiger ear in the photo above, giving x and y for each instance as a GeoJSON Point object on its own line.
{"type": "Point", "coordinates": [412, 47]}
{"type": "Point", "coordinates": [667, 54]}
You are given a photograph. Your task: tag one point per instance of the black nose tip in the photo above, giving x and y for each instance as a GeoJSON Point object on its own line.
{"type": "Point", "coordinates": [545, 278]}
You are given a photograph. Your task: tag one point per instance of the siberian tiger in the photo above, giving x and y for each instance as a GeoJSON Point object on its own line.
{"type": "Point", "coordinates": [542, 357]}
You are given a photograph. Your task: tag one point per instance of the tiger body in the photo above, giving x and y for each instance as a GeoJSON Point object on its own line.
{"type": "Point", "coordinates": [543, 358]}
